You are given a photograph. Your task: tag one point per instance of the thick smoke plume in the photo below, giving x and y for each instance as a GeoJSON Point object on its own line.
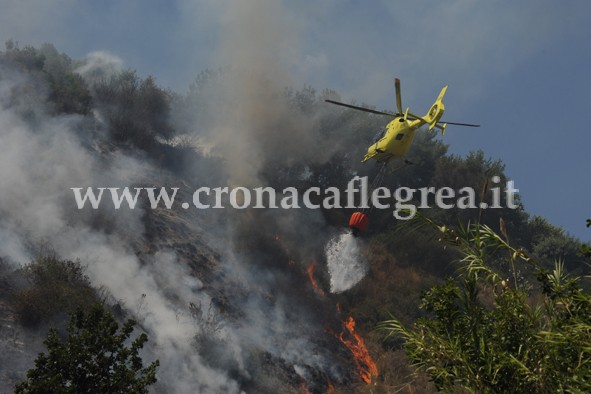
{"type": "Point", "coordinates": [40, 162]}
{"type": "Point", "coordinates": [218, 324]}
{"type": "Point", "coordinates": [254, 127]}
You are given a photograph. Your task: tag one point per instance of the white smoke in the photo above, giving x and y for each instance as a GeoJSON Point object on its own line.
{"type": "Point", "coordinates": [38, 166]}
{"type": "Point", "coordinates": [100, 65]}
{"type": "Point", "coordinates": [41, 161]}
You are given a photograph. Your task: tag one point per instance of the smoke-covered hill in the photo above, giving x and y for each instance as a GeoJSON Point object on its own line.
{"type": "Point", "coordinates": [233, 300]}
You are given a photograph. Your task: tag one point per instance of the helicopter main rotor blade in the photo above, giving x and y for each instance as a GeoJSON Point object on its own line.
{"type": "Point", "coordinates": [398, 96]}
{"type": "Point", "coordinates": [461, 124]}
{"type": "Point", "coordinates": [411, 117]}
{"type": "Point", "coordinates": [373, 111]}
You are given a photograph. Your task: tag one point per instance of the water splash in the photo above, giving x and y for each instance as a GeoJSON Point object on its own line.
{"type": "Point", "coordinates": [346, 267]}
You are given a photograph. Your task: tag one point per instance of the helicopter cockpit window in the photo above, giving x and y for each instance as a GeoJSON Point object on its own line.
{"type": "Point", "coordinates": [380, 135]}
{"type": "Point", "coordinates": [399, 136]}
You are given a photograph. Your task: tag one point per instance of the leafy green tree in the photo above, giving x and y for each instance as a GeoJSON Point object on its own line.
{"type": "Point", "coordinates": [136, 109]}
{"type": "Point", "coordinates": [549, 243]}
{"type": "Point", "coordinates": [94, 358]}
{"type": "Point", "coordinates": [488, 333]}
{"type": "Point", "coordinates": [477, 172]}
{"type": "Point", "coordinates": [53, 71]}
{"type": "Point", "coordinates": [50, 287]}
{"type": "Point", "coordinates": [27, 59]}
{"type": "Point", "coordinates": [68, 91]}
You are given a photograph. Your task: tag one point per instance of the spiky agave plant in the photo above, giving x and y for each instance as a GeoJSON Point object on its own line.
{"type": "Point", "coordinates": [484, 332]}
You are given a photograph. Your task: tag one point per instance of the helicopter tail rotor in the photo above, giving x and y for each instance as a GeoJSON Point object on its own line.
{"type": "Point", "coordinates": [441, 127]}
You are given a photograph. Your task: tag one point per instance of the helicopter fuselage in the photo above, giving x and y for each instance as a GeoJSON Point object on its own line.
{"type": "Point", "coordinates": [396, 140]}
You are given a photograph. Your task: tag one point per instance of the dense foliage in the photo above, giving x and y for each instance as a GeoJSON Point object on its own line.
{"type": "Point", "coordinates": [50, 72]}
{"type": "Point", "coordinates": [135, 111]}
{"type": "Point", "coordinates": [51, 286]}
{"type": "Point", "coordinates": [94, 358]}
{"type": "Point", "coordinates": [486, 332]}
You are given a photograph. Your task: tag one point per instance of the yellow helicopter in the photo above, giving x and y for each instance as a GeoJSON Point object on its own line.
{"type": "Point", "coordinates": [397, 136]}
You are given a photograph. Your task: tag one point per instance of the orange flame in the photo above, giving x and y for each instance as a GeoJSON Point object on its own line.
{"type": "Point", "coordinates": [330, 388]}
{"type": "Point", "coordinates": [304, 389]}
{"type": "Point", "coordinates": [310, 271]}
{"type": "Point", "coordinates": [365, 364]}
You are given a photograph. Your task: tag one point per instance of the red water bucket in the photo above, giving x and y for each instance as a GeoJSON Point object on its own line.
{"type": "Point", "coordinates": [358, 222]}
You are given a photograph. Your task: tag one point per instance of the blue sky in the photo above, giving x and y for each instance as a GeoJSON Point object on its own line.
{"type": "Point", "coordinates": [518, 68]}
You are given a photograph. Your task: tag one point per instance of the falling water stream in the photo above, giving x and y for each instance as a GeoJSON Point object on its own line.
{"type": "Point", "coordinates": [346, 266]}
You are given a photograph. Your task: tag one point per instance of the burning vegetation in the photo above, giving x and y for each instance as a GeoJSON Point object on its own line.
{"type": "Point", "coordinates": [352, 340]}
{"type": "Point", "coordinates": [228, 305]}
{"type": "Point", "coordinates": [310, 271]}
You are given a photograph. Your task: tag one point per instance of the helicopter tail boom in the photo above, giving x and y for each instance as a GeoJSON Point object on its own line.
{"type": "Point", "coordinates": [436, 110]}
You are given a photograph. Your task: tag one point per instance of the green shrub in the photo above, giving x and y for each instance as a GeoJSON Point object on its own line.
{"type": "Point", "coordinates": [51, 286]}
{"type": "Point", "coordinates": [487, 333]}
{"type": "Point", "coordinates": [94, 358]}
